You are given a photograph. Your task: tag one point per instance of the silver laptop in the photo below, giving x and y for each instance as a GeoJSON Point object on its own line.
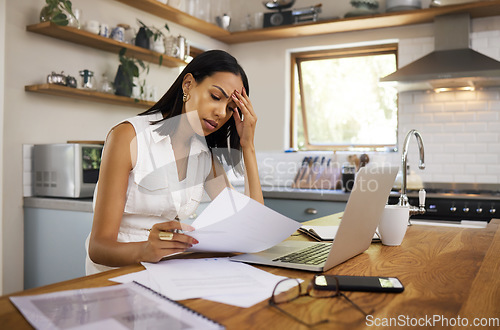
{"type": "Point", "coordinates": [357, 227]}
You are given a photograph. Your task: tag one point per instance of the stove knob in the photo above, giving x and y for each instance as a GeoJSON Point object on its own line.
{"type": "Point", "coordinates": [479, 210]}
{"type": "Point", "coordinates": [466, 210]}
{"type": "Point", "coordinates": [493, 211]}
{"type": "Point", "coordinates": [453, 209]}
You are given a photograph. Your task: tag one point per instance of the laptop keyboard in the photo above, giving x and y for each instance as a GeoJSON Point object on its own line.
{"type": "Point", "coordinates": [312, 255]}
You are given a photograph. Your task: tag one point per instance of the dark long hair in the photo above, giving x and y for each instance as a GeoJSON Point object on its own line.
{"type": "Point", "coordinates": [225, 142]}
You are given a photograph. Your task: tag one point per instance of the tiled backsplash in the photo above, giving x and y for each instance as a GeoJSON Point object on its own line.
{"type": "Point", "coordinates": [461, 130]}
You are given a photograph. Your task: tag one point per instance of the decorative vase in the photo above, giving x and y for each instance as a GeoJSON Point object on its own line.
{"type": "Point", "coordinates": [141, 39]}
{"type": "Point", "coordinates": [158, 45]}
{"type": "Point", "coordinates": [123, 84]}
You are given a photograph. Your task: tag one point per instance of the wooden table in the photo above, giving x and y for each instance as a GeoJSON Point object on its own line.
{"type": "Point", "coordinates": [448, 273]}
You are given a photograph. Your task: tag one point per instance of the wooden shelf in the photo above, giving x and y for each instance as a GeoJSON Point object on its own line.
{"type": "Point", "coordinates": [384, 20]}
{"type": "Point", "coordinates": [88, 95]}
{"type": "Point", "coordinates": [88, 39]}
{"type": "Point", "coordinates": [173, 15]}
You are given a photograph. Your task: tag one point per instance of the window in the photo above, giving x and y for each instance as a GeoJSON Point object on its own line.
{"type": "Point", "coordinates": [338, 102]}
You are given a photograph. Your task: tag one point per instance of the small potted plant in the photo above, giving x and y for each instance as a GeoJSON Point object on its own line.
{"type": "Point", "coordinates": [57, 11]}
{"type": "Point", "coordinates": [151, 37]}
{"type": "Point", "coordinates": [127, 70]}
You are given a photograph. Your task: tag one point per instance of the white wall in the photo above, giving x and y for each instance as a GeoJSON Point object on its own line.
{"type": "Point", "coordinates": [35, 118]}
{"type": "Point", "coordinates": [2, 67]}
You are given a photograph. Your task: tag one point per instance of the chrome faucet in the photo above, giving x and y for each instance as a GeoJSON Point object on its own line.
{"type": "Point", "coordinates": [403, 199]}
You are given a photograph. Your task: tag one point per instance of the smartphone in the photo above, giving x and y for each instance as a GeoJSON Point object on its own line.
{"type": "Point", "coordinates": [358, 283]}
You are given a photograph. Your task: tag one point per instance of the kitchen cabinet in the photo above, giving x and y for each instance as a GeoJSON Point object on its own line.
{"type": "Point", "coordinates": [394, 19]}
{"type": "Point", "coordinates": [54, 245]}
{"type": "Point", "coordinates": [304, 210]}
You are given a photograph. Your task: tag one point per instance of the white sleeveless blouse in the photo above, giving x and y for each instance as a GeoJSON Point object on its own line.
{"type": "Point", "coordinates": [154, 192]}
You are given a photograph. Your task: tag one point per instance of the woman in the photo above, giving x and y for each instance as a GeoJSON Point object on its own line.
{"type": "Point", "coordinates": [155, 165]}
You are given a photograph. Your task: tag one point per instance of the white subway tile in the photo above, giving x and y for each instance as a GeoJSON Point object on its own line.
{"type": "Point", "coordinates": [479, 42]}
{"type": "Point", "coordinates": [454, 106]}
{"type": "Point", "coordinates": [494, 147]}
{"type": "Point", "coordinates": [433, 107]}
{"type": "Point", "coordinates": [453, 127]}
{"type": "Point", "coordinates": [456, 168]}
{"type": "Point", "coordinates": [466, 178]}
{"type": "Point", "coordinates": [444, 117]}
{"type": "Point", "coordinates": [475, 127]}
{"type": "Point", "coordinates": [465, 96]}
{"type": "Point", "coordinates": [475, 169]}
{"type": "Point", "coordinates": [444, 158]}
{"type": "Point", "coordinates": [488, 94]}
{"type": "Point", "coordinates": [405, 98]}
{"type": "Point", "coordinates": [432, 128]}
{"type": "Point", "coordinates": [476, 105]}
{"type": "Point", "coordinates": [444, 97]}
{"type": "Point", "coordinates": [493, 169]}
{"type": "Point", "coordinates": [487, 116]}
{"type": "Point", "coordinates": [494, 126]}
{"type": "Point", "coordinates": [464, 116]}
{"type": "Point", "coordinates": [27, 150]}
{"type": "Point", "coordinates": [412, 108]}
{"type": "Point", "coordinates": [476, 147]}
{"type": "Point", "coordinates": [432, 148]}
{"type": "Point", "coordinates": [487, 158]}
{"type": "Point", "coordinates": [465, 138]}
{"type": "Point", "coordinates": [494, 105]}
{"type": "Point", "coordinates": [423, 118]}
{"type": "Point", "coordinates": [444, 138]}
{"type": "Point", "coordinates": [443, 177]}
{"type": "Point", "coordinates": [454, 147]}
{"type": "Point", "coordinates": [487, 137]}
{"type": "Point", "coordinates": [405, 119]}
{"type": "Point", "coordinates": [487, 179]}
{"type": "Point", "coordinates": [464, 158]}
{"type": "Point", "coordinates": [423, 97]}
{"type": "Point", "coordinates": [27, 191]}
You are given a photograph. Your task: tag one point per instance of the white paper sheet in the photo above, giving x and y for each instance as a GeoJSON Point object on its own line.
{"type": "Point", "coordinates": [216, 279]}
{"type": "Point", "coordinates": [233, 222]}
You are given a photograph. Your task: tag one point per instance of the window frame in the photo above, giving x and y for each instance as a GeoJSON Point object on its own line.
{"type": "Point", "coordinates": [298, 57]}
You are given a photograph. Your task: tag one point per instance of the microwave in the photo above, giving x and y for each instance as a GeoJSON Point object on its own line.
{"type": "Point", "coordinates": [66, 170]}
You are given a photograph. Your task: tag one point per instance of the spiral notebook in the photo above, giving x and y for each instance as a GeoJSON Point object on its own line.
{"type": "Point", "coordinates": [123, 306]}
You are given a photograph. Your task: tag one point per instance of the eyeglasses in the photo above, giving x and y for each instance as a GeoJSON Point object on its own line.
{"type": "Point", "coordinates": [290, 289]}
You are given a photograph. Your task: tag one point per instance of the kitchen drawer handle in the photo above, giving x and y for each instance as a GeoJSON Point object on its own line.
{"type": "Point", "coordinates": [311, 210]}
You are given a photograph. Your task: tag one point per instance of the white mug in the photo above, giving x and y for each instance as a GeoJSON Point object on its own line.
{"type": "Point", "coordinates": [92, 26]}
{"type": "Point", "coordinates": [118, 34]}
{"type": "Point", "coordinates": [393, 224]}
{"type": "Point", "coordinates": [104, 30]}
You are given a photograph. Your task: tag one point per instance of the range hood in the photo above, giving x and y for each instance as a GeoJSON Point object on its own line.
{"type": "Point", "coordinates": [452, 65]}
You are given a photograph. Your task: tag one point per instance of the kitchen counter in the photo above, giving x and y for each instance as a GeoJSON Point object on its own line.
{"type": "Point", "coordinates": [54, 203]}
{"type": "Point", "coordinates": [85, 204]}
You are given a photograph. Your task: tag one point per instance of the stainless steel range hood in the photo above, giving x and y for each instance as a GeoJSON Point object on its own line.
{"type": "Point", "coordinates": [452, 64]}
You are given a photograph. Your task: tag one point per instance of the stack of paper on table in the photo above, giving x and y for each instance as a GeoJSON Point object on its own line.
{"type": "Point", "coordinates": [216, 279]}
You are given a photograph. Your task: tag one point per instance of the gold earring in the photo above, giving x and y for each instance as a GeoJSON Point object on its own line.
{"type": "Point", "coordinates": [185, 97]}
